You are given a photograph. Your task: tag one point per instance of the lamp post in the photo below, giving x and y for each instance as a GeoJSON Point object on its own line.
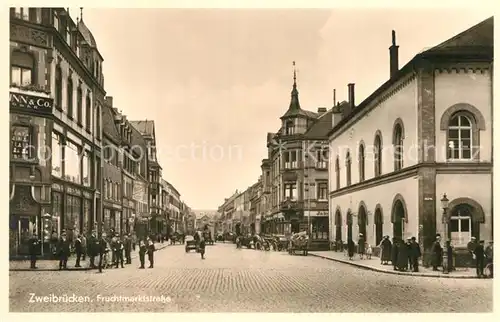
{"type": "Point", "coordinates": [446, 219]}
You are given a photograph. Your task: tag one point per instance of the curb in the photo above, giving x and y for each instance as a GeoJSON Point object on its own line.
{"type": "Point", "coordinates": [69, 269]}
{"type": "Point", "coordinates": [380, 270]}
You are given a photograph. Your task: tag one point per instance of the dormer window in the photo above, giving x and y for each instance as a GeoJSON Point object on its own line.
{"type": "Point", "coordinates": [289, 128]}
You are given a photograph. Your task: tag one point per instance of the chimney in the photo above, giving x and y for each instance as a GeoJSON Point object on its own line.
{"type": "Point", "coordinates": [351, 96]}
{"type": "Point", "coordinates": [393, 56]}
{"type": "Point", "coordinates": [337, 114]}
{"type": "Point", "coordinates": [321, 110]}
{"type": "Point", "coordinates": [109, 100]}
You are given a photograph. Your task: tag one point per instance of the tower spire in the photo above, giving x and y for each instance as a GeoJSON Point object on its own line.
{"type": "Point", "coordinates": [294, 102]}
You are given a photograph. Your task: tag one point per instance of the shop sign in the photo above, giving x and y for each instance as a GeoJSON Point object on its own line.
{"type": "Point", "coordinates": [38, 104]}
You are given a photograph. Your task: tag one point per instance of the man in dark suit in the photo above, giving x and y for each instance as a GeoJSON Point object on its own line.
{"type": "Point", "coordinates": [34, 248]}
{"type": "Point", "coordinates": [102, 245]}
{"type": "Point", "coordinates": [92, 248]}
{"type": "Point", "coordinates": [415, 253]}
{"type": "Point", "coordinates": [118, 251]}
{"type": "Point", "coordinates": [63, 251]}
{"type": "Point", "coordinates": [78, 250]}
{"type": "Point", "coordinates": [480, 258]}
{"type": "Point", "coordinates": [127, 244]}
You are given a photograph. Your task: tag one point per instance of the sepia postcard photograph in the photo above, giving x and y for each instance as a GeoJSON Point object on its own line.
{"type": "Point", "coordinates": [260, 160]}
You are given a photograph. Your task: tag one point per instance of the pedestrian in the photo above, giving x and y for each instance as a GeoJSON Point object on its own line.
{"type": "Point", "coordinates": [395, 253]}
{"type": "Point", "coordinates": [436, 253]}
{"type": "Point", "coordinates": [142, 253]}
{"type": "Point", "coordinates": [385, 248]}
{"type": "Point", "coordinates": [408, 249]}
{"type": "Point", "coordinates": [203, 242]}
{"type": "Point", "coordinates": [488, 253]}
{"type": "Point", "coordinates": [93, 249]}
{"type": "Point", "coordinates": [134, 241]}
{"type": "Point", "coordinates": [449, 260]}
{"type": "Point", "coordinates": [34, 248]}
{"type": "Point", "coordinates": [127, 245]}
{"type": "Point", "coordinates": [54, 239]}
{"type": "Point", "coordinates": [84, 246]}
{"type": "Point", "coordinates": [479, 255]}
{"type": "Point", "coordinates": [113, 251]}
{"type": "Point", "coordinates": [117, 247]}
{"type": "Point", "coordinates": [402, 256]}
{"type": "Point", "coordinates": [415, 253]}
{"type": "Point", "coordinates": [369, 251]}
{"type": "Point", "coordinates": [63, 251]}
{"type": "Point", "coordinates": [78, 250]}
{"type": "Point", "coordinates": [361, 246]}
{"type": "Point", "coordinates": [350, 248]}
{"type": "Point", "coordinates": [471, 246]}
{"type": "Point", "coordinates": [151, 250]}
{"type": "Point", "coordinates": [102, 248]}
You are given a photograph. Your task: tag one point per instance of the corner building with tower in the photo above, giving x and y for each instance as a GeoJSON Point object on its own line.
{"type": "Point", "coordinates": [415, 158]}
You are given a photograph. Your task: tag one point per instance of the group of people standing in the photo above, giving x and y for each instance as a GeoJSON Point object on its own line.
{"type": "Point", "coordinates": [119, 247]}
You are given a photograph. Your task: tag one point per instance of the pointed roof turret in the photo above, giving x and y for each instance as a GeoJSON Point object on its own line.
{"type": "Point", "coordinates": [84, 30]}
{"type": "Point", "coordinates": [294, 109]}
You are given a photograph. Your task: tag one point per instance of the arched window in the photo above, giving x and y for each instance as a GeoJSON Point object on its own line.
{"type": "Point", "coordinates": [22, 68]}
{"type": "Point", "coordinates": [361, 162]}
{"type": "Point", "coordinates": [88, 114]}
{"type": "Point", "coordinates": [58, 88]}
{"type": "Point", "coordinates": [79, 106]}
{"type": "Point", "coordinates": [460, 137]}
{"type": "Point", "coordinates": [378, 155]}
{"type": "Point", "coordinates": [378, 220]}
{"type": "Point", "coordinates": [337, 172]}
{"type": "Point", "coordinates": [348, 168]}
{"type": "Point", "coordinates": [397, 141]}
{"type": "Point", "coordinates": [69, 96]}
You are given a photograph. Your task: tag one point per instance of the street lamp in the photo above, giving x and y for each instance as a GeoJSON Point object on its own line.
{"type": "Point", "coordinates": [446, 220]}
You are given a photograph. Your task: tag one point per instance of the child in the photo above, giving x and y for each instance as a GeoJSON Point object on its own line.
{"type": "Point", "coordinates": [142, 253]}
{"type": "Point", "coordinates": [151, 250]}
{"type": "Point", "coordinates": [369, 252]}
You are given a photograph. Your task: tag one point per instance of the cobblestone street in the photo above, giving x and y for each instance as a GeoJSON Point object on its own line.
{"type": "Point", "coordinates": [236, 280]}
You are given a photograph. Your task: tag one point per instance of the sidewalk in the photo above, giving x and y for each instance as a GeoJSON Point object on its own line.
{"type": "Point", "coordinates": [374, 265]}
{"type": "Point", "coordinates": [53, 265]}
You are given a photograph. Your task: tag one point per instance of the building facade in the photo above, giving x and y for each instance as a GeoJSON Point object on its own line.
{"type": "Point", "coordinates": [140, 189]}
{"type": "Point", "coordinates": [424, 134]}
{"type": "Point", "coordinates": [147, 129]}
{"type": "Point", "coordinates": [56, 96]}
{"type": "Point", "coordinates": [112, 170]}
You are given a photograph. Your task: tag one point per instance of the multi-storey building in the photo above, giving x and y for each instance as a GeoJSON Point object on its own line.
{"type": "Point", "coordinates": [112, 169]}
{"type": "Point", "coordinates": [140, 187]}
{"type": "Point", "coordinates": [56, 94]}
{"type": "Point", "coordinates": [298, 165]}
{"type": "Point", "coordinates": [423, 138]}
{"type": "Point", "coordinates": [255, 193]}
{"type": "Point", "coordinates": [147, 130]}
{"type": "Point", "coordinates": [165, 205]}
{"type": "Point", "coordinates": [174, 207]}
{"type": "Point", "coordinates": [227, 210]}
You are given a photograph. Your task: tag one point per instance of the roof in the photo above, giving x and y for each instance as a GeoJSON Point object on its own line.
{"type": "Point", "coordinates": [87, 35]}
{"type": "Point", "coordinates": [294, 109]}
{"type": "Point", "coordinates": [108, 124]}
{"type": "Point", "coordinates": [480, 35]}
{"type": "Point", "coordinates": [320, 128]}
{"type": "Point", "coordinates": [144, 127]}
{"type": "Point", "coordinates": [474, 44]}
{"type": "Point", "coordinates": [138, 140]}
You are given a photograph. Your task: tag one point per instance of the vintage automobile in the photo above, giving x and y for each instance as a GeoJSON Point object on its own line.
{"type": "Point", "coordinates": [281, 243]}
{"type": "Point", "coordinates": [191, 243]}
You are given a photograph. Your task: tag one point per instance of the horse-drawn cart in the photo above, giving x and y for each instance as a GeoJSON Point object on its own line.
{"type": "Point", "coordinates": [298, 243]}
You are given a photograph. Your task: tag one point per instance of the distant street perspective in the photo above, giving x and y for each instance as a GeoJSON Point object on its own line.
{"type": "Point", "coordinates": [245, 280]}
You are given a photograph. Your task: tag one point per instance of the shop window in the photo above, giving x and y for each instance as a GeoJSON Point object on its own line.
{"type": "Point", "coordinates": [22, 143]}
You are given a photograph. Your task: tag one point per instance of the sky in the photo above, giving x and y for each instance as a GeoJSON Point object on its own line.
{"type": "Point", "coordinates": [215, 81]}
